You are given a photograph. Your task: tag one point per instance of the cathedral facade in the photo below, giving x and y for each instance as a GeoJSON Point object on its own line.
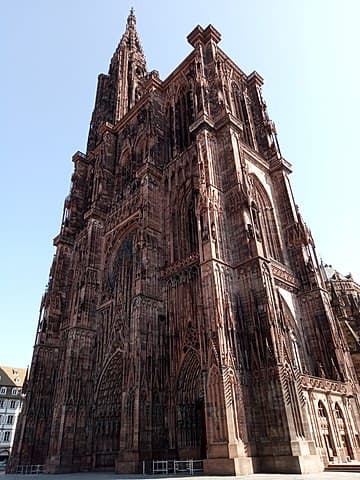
{"type": "Point", "coordinates": [186, 315]}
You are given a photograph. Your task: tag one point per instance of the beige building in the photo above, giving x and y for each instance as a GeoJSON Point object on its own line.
{"type": "Point", "coordinates": [11, 383]}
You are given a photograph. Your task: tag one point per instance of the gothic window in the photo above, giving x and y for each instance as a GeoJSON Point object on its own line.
{"type": "Point", "coordinates": [192, 227]}
{"type": "Point", "coordinates": [184, 227]}
{"type": "Point", "coordinates": [123, 272]}
{"type": "Point", "coordinates": [140, 152]}
{"type": "Point", "coordinates": [123, 174]}
{"type": "Point", "coordinates": [321, 410]}
{"type": "Point", "coordinates": [338, 412]}
{"type": "Point", "coordinates": [180, 116]}
{"type": "Point", "coordinates": [239, 110]}
{"type": "Point", "coordinates": [294, 339]}
{"type": "Point", "coordinates": [264, 222]}
{"type": "Point", "coordinates": [171, 137]}
{"type": "Point", "coordinates": [236, 104]}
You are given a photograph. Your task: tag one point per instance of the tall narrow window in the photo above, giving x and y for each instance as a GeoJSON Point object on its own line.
{"type": "Point", "coordinates": [264, 221]}
{"type": "Point", "coordinates": [240, 112]}
{"type": "Point", "coordinates": [183, 116]}
{"type": "Point", "coordinates": [192, 226]}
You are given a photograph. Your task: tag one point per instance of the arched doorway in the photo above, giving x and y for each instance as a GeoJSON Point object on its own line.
{"type": "Point", "coordinates": [107, 414]}
{"type": "Point", "coordinates": [343, 433]}
{"type": "Point", "coordinates": [190, 409]}
{"type": "Point", "coordinates": [325, 431]}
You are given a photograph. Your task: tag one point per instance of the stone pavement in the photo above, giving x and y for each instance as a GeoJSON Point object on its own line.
{"type": "Point", "coordinates": [114, 476]}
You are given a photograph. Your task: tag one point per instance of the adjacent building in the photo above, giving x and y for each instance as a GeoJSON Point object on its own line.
{"type": "Point", "coordinates": [186, 315]}
{"type": "Point", "coordinates": [345, 300]}
{"type": "Point", "coordinates": [11, 383]}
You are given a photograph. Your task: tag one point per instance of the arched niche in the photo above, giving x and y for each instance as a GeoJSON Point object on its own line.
{"type": "Point", "coordinates": [343, 432]}
{"type": "Point", "coordinates": [326, 434]}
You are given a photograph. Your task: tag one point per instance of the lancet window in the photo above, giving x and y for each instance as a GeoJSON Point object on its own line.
{"type": "Point", "coordinates": [184, 228]}
{"type": "Point", "coordinates": [180, 115]}
{"type": "Point", "coordinates": [240, 111]}
{"type": "Point", "coordinates": [264, 224]}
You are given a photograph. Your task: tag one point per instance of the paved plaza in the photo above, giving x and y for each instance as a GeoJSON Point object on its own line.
{"type": "Point", "coordinates": [257, 476]}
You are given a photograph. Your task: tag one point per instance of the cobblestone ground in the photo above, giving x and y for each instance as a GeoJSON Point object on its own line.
{"type": "Point", "coordinates": [114, 476]}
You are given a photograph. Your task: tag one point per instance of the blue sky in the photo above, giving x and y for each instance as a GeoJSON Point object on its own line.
{"type": "Point", "coordinates": [52, 52]}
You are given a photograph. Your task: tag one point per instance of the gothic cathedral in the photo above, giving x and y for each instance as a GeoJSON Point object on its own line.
{"type": "Point", "coordinates": [186, 316]}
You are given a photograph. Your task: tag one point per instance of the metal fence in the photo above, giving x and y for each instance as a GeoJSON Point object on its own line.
{"type": "Point", "coordinates": [30, 469]}
{"type": "Point", "coordinates": [166, 467]}
{"type": "Point", "coordinates": [155, 467]}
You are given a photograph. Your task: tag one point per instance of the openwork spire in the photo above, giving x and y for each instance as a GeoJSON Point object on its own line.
{"type": "Point", "coordinates": [122, 87]}
{"type": "Point", "coordinates": [127, 69]}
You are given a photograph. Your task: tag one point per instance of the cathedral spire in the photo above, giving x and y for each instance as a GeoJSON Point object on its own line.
{"type": "Point", "coordinates": [130, 39]}
{"type": "Point", "coordinates": [128, 68]}
{"type": "Point", "coordinates": [121, 88]}
{"type": "Point", "coordinates": [131, 18]}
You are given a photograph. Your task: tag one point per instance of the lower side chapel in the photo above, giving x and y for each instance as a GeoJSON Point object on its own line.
{"type": "Point", "coordinates": [186, 314]}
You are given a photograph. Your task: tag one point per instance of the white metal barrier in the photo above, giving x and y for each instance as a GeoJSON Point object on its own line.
{"type": "Point", "coordinates": [30, 469]}
{"type": "Point", "coordinates": [160, 467]}
{"type": "Point", "coordinates": [176, 467]}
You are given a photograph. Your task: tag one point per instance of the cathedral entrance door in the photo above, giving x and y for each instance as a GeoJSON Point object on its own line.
{"type": "Point", "coordinates": [190, 410]}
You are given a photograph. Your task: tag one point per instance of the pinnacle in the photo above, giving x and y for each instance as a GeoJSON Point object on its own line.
{"type": "Point", "coordinates": [131, 18]}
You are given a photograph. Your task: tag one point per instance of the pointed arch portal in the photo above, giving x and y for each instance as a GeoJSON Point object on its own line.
{"type": "Point", "coordinates": [190, 409]}
{"type": "Point", "coordinates": [107, 416]}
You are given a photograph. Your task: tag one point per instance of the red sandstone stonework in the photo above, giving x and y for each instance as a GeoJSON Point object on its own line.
{"type": "Point", "coordinates": [186, 315]}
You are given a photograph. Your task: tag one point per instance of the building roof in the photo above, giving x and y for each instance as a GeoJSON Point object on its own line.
{"type": "Point", "coordinates": [331, 273]}
{"type": "Point", "coordinates": [12, 376]}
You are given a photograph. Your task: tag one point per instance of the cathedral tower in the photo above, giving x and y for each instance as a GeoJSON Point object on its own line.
{"type": "Point", "coordinates": [186, 315]}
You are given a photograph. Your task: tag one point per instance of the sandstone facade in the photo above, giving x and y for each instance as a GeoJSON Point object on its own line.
{"type": "Point", "coordinates": [186, 315]}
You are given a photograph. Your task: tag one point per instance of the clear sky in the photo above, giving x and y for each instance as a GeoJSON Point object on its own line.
{"type": "Point", "coordinates": [51, 53]}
